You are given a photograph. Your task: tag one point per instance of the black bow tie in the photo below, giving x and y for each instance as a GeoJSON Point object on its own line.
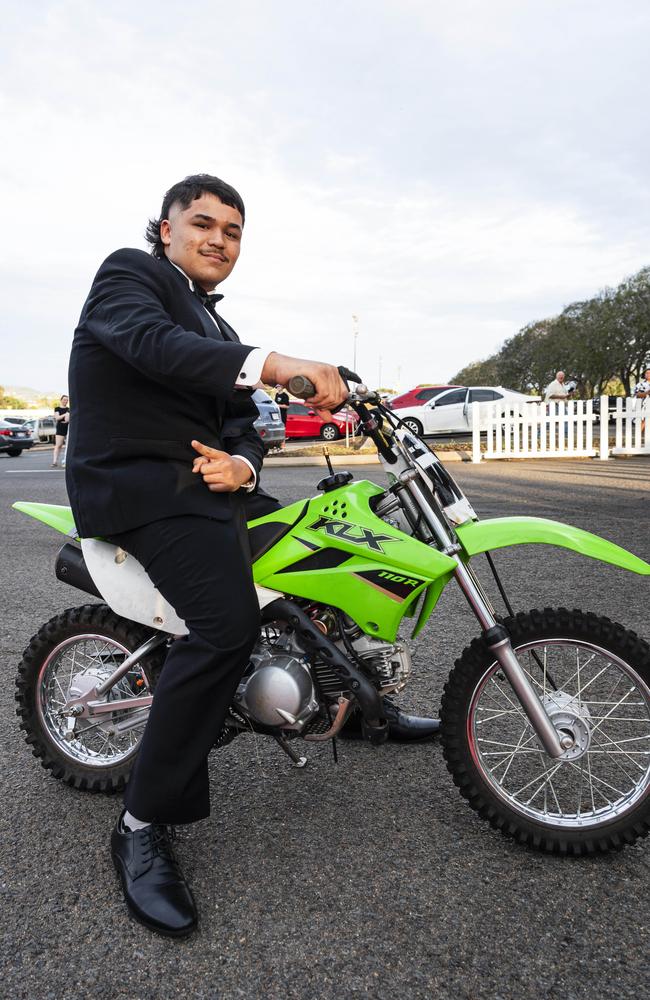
{"type": "Point", "coordinates": [209, 301]}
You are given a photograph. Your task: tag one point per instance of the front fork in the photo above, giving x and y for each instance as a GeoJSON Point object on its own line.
{"type": "Point", "coordinates": [496, 635]}
{"type": "Point", "coordinates": [498, 642]}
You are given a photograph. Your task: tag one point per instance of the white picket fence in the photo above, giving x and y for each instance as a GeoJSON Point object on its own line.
{"type": "Point", "coordinates": [632, 436]}
{"type": "Point", "coordinates": [559, 430]}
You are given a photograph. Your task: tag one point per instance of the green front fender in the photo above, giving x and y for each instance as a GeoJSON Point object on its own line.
{"type": "Point", "coordinates": [499, 532]}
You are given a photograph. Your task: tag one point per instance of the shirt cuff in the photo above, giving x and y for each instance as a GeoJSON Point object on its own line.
{"type": "Point", "coordinates": [252, 483]}
{"type": "Point", "coordinates": [251, 369]}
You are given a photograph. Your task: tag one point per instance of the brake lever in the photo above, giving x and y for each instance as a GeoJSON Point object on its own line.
{"type": "Point", "coordinates": [349, 376]}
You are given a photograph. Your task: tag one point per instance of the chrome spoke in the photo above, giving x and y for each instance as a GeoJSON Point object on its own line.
{"type": "Point", "coordinates": [619, 750]}
{"type": "Point", "coordinates": [518, 749]}
{"type": "Point", "coordinates": [79, 664]}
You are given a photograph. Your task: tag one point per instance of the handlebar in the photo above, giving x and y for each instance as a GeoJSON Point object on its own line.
{"type": "Point", "coordinates": [301, 387]}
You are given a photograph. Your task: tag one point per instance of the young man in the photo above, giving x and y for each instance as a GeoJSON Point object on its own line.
{"type": "Point", "coordinates": [162, 453]}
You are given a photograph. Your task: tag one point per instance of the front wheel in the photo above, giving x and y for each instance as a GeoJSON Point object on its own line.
{"type": "Point", "coordinates": [593, 677]}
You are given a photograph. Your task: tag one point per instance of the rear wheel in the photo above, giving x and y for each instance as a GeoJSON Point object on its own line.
{"type": "Point", "coordinates": [71, 654]}
{"type": "Point", "coordinates": [15, 452]}
{"type": "Point", "coordinates": [413, 425]}
{"type": "Point", "coordinates": [330, 432]}
{"type": "Point", "coordinates": [593, 677]}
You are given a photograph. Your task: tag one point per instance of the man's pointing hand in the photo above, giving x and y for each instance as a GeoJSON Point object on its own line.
{"type": "Point", "coordinates": [221, 472]}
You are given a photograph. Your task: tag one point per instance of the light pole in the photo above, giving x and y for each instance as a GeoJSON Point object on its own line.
{"type": "Point", "coordinates": [355, 334]}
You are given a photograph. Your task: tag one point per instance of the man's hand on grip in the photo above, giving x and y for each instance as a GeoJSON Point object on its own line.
{"type": "Point", "coordinates": [331, 390]}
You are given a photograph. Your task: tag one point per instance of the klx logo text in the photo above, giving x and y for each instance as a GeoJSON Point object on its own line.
{"type": "Point", "coordinates": [351, 533]}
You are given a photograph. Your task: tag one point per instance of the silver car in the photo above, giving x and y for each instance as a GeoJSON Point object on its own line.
{"type": "Point", "coordinates": [41, 428]}
{"type": "Point", "coordinates": [269, 424]}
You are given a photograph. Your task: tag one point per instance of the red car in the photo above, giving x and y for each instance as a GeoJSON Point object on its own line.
{"type": "Point", "coordinates": [419, 396]}
{"type": "Point", "coordinates": [302, 421]}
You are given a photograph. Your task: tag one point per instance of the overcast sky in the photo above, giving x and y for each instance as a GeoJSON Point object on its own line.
{"type": "Point", "coordinates": [446, 171]}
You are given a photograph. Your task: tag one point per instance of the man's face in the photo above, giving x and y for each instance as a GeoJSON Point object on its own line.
{"type": "Point", "coordinates": [204, 239]}
{"type": "Point", "coordinates": [560, 377]}
{"type": "Point", "coordinates": [647, 374]}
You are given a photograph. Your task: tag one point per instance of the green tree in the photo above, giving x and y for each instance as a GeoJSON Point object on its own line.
{"type": "Point", "coordinates": [478, 373]}
{"type": "Point", "coordinates": [594, 341]}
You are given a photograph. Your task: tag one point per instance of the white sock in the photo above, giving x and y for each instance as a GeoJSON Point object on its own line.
{"type": "Point", "coordinates": [131, 823]}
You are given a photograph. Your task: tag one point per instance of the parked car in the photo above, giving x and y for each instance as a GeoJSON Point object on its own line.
{"type": "Point", "coordinates": [41, 428]}
{"type": "Point", "coordinates": [19, 421]}
{"type": "Point", "coordinates": [611, 405]}
{"type": "Point", "coordinates": [302, 421]}
{"type": "Point", "coordinates": [269, 424]}
{"type": "Point", "coordinates": [451, 411]}
{"type": "Point", "coordinates": [419, 396]}
{"type": "Point", "coordinates": [14, 439]}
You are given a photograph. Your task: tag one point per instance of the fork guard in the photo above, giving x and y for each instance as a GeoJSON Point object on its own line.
{"type": "Point", "coordinates": [500, 532]}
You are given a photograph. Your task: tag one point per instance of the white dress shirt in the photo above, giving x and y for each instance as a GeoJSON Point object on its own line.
{"type": "Point", "coordinates": [248, 378]}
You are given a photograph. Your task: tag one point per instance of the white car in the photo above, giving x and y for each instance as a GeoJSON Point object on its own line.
{"type": "Point", "coordinates": [41, 428]}
{"type": "Point", "coordinates": [451, 411]}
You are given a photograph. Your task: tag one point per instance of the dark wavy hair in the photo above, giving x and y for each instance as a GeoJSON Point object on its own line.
{"type": "Point", "coordinates": [184, 193]}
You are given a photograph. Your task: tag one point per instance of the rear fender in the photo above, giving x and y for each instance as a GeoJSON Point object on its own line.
{"type": "Point", "coordinates": [54, 515]}
{"type": "Point", "coordinates": [500, 532]}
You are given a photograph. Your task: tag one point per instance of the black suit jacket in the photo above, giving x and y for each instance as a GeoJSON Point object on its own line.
{"type": "Point", "coordinates": [149, 371]}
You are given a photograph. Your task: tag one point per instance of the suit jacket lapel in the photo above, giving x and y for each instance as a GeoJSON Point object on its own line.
{"type": "Point", "coordinates": [227, 331]}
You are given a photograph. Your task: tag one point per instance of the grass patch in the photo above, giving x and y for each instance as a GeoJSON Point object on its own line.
{"type": "Point", "coordinates": [364, 446]}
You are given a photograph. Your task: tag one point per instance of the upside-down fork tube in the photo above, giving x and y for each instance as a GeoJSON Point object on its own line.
{"type": "Point", "coordinates": [375, 725]}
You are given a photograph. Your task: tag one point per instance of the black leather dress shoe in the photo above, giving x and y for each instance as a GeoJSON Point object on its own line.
{"type": "Point", "coordinates": [154, 888]}
{"type": "Point", "coordinates": [402, 728]}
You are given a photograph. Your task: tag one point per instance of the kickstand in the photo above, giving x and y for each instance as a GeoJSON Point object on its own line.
{"type": "Point", "coordinates": [283, 743]}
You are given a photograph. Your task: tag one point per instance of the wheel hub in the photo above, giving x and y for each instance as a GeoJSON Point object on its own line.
{"type": "Point", "coordinates": [572, 721]}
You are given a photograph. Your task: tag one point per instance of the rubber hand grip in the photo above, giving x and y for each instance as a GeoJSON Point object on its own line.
{"type": "Point", "coordinates": [301, 387]}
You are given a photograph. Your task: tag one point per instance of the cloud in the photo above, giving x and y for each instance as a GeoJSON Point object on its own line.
{"type": "Point", "coordinates": [446, 173]}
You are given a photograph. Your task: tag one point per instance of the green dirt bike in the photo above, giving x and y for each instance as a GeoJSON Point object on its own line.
{"type": "Point", "coordinates": [545, 715]}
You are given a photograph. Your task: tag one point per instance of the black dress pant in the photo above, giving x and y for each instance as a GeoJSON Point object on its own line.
{"type": "Point", "coordinates": [202, 568]}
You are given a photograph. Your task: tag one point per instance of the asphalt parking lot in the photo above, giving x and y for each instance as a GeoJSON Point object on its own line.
{"type": "Point", "coordinates": [372, 878]}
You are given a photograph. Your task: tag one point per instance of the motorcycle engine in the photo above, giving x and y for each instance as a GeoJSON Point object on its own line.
{"type": "Point", "coordinates": [390, 662]}
{"type": "Point", "coordinates": [278, 690]}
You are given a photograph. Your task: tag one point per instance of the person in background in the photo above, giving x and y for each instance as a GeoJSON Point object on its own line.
{"type": "Point", "coordinates": [642, 391]}
{"type": "Point", "coordinates": [62, 418]}
{"type": "Point", "coordinates": [557, 390]}
{"type": "Point", "coordinates": [282, 399]}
